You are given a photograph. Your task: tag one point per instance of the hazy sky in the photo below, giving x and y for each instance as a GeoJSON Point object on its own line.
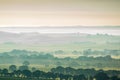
{"type": "Point", "coordinates": [59, 12]}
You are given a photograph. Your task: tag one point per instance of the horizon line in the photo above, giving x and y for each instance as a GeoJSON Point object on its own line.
{"type": "Point", "coordinates": [73, 26]}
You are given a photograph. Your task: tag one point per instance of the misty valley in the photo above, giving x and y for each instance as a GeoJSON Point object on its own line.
{"type": "Point", "coordinates": [59, 39]}
{"type": "Point", "coordinates": [59, 56]}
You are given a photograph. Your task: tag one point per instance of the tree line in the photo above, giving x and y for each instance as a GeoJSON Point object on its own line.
{"type": "Point", "coordinates": [58, 73]}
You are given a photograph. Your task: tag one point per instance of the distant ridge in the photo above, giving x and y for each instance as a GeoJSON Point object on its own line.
{"type": "Point", "coordinates": [110, 30]}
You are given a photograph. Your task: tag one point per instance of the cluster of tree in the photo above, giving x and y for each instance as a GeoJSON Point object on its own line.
{"type": "Point", "coordinates": [43, 59]}
{"type": "Point", "coordinates": [90, 72]}
{"type": "Point", "coordinates": [59, 72]}
{"type": "Point", "coordinates": [87, 52]}
{"type": "Point", "coordinates": [90, 52]}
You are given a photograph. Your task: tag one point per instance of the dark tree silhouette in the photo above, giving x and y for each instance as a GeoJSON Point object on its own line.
{"type": "Point", "coordinates": [27, 73]}
{"type": "Point", "coordinates": [69, 70]}
{"type": "Point", "coordinates": [39, 73]}
{"type": "Point", "coordinates": [115, 78]}
{"type": "Point", "coordinates": [4, 72]}
{"type": "Point", "coordinates": [79, 77]}
{"type": "Point", "coordinates": [50, 75]}
{"type": "Point", "coordinates": [58, 69]}
{"type": "Point", "coordinates": [0, 72]}
{"type": "Point", "coordinates": [101, 76]}
{"type": "Point", "coordinates": [18, 73]}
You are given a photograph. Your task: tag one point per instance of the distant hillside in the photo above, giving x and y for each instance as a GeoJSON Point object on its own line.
{"type": "Point", "coordinates": [33, 38]}
{"type": "Point", "coordinates": [58, 38]}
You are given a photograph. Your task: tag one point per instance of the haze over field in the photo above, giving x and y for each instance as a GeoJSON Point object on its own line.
{"type": "Point", "coordinates": [71, 41]}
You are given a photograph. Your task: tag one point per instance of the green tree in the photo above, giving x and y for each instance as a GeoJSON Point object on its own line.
{"type": "Point", "coordinates": [12, 68]}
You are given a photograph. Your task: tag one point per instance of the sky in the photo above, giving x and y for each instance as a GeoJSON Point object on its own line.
{"type": "Point", "coordinates": [59, 13]}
